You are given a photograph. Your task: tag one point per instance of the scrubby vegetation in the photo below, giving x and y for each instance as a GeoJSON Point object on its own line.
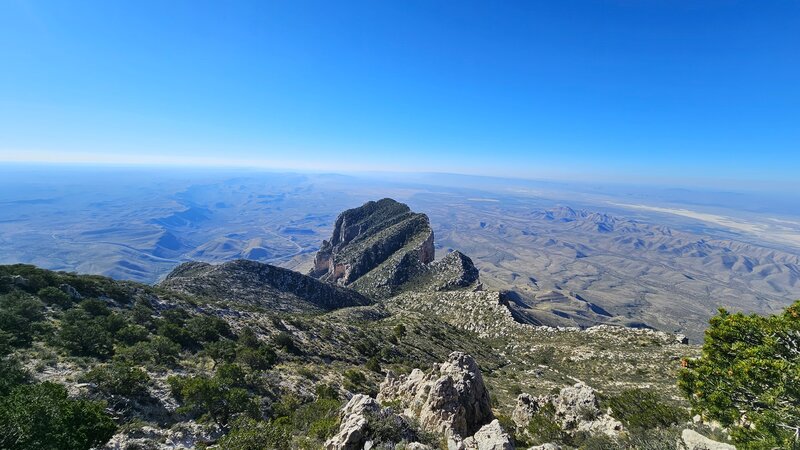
{"type": "Point", "coordinates": [748, 377]}
{"type": "Point", "coordinates": [277, 380]}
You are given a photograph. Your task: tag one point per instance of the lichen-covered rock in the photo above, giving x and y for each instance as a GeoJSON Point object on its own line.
{"type": "Point", "coordinates": [527, 406]}
{"type": "Point", "coordinates": [451, 399]}
{"type": "Point", "coordinates": [548, 446]}
{"type": "Point", "coordinates": [184, 435]}
{"type": "Point", "coordinates": [575, 409]}
{"type": "Point", "coordinates": [352, 430]}
{"type": "Point", "coordinates": [355, 429]}
{"type": "Point", "coordinates": [260, 284]}
{"type": "Point", "coordinates": [693, 440]}
{"type": "Point", "coordinates": [490, 437]}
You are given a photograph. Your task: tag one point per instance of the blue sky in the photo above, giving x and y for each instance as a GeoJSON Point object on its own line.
{"type": "Point", "coordinates": [660, 91]}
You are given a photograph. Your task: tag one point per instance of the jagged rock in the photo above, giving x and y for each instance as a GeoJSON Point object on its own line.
{"type": "Point", "coordinates": [575, 408]}
{"type": "Point", "coordinates": [256, 283]}
{"type": "Point", "coordinates": [490, 437]}
{"type": "Point", "coordinates": [383, 248]}
{"type": "Point", "coordinates": [548, 446]}
{"type": "Point", "coordinates": [417, 446]}
{"type": "Point", "coordinates": [354, 429]}
{"type": "Point", "coordinates": [185, 435]}
{"type": "Point", "coordinates": [451, 399]}
{"type": "Point", "coordinates": [19, 280]}
{"type": "Point", "coordinates": [693, 440]}
{"type": "Point", "coordinates": [527, 406]}
{"type": "Point", "coordinates": [71, 291]}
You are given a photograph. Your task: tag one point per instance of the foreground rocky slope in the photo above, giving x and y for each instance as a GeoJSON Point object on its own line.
{"type": "Point", "coordinates": [245, 355]}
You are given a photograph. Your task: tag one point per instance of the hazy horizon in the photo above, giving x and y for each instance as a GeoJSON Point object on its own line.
{"type": "Point", "coordinates": [702, 94]}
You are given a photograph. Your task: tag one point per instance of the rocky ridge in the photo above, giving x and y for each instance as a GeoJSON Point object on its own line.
{"type": "Point", "coordinates": [253, 283]}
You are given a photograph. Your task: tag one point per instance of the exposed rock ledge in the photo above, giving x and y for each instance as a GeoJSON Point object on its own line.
{"type": "Point", "coordinates": [450, 400]}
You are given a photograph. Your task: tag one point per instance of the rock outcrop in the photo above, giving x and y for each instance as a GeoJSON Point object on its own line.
{"type": "Point", "coordinates": [576, 409]}
{"type": "Point", "coordinates": [451, 399]}
{"type": "Point", "coordinates": [260, 284]}
{"type": "Point", "coordinates": [693, 440]}
{"type": "Point", "coordinates": [355, 426]}
{"type": "Point", "coordinates": [383, 248]}
{"type": "Point", "coordinates": [490, 437]}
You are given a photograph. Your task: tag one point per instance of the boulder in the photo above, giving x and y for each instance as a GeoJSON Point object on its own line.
{"type": "Point", "coordinates": [451, 399]}
{"type": "Point", "coordinates": [71, 291]}
{"type": "Point", "coordinates": [490, 437]}
{"type": "Point", "coordinates": [577, 409]}
{"type": "Point", "coordinates": [353, 427]}
{"type": "Point", "coordinates": [693, 440]}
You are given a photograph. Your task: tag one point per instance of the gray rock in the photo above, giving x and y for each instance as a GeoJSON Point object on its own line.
{"type": "Point", "coordinates": [184, 435]}
{"type": "Point", "coordinates": [490, 437]}
{"type": "Point", "coordinates": [71, 291]}
{"type": "Point", "coordinates": [548, 446]}
{"type": "Point", "coordinates": [576, 409]}
{"type": "Point", "coordinates": [693, 440]}
{"type": "Point", "coordinates": [353, 427]}
{"type": "Point", "coordinates": [451, 399]}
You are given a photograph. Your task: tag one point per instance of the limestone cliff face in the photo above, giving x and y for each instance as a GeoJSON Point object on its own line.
{"type": "Point", "coordinates": [382, 246]}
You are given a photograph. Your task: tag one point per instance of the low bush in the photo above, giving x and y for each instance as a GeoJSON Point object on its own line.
{"type": "Point", "coordinates": [54, 296]}
{"type": "Point", "coordinates": [42, 416]}
{"type": "Point", "coordinates": [640, 409]}
{"type": "Point", "coordinates": [118, 378]}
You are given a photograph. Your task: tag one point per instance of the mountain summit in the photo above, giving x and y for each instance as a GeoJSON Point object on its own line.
{"type": "Point", "coordinates": [382, 248]}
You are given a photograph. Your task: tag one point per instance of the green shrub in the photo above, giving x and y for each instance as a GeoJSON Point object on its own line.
{"type": "Point", "coordinates": [220, 398]}
{"type": "Point", "coordinates": [223, 351]}
{"type": "Point", "coordinates": [259, 358]}
{"type": "Point", "coordinates": [119, 378]}
{"type": "Point", "coordinates": [42, 416]}
{"type": "Point", "coordinates": [176, 333]}
{"type": "Point", "coordinates": [54, 296]}
{"type": "Point", "coordinates": [749, 368]}
{"type": "Point", "coordinates": [247, 338]}
{"type": "Point", "coordinates": [95, 307]}
{"type": "Point", "coordinates": [543, 428]}
{"type": "Point", "coordinates": [84, 335]}
{"type": "Point", "coordinates": [20, 314]}
{"type": "Point", "coordinates": [11, 375]}
{"type": "Point", "coordinates": [131, 334]}
{"type": "Point", "coordinates": [249, 434]}
{"type": "Point", "coordinates": [373, 364]}
{"type": "Point", "coordinates": [285, 341]}
{"type": "Point", "coordinates": [208, 328]}
{"type": "Point", "coordinates": [157, 352]}
{"type": "Point", "coordinates": [326, 391]}
{"type": "Point", "coordinates": [640, 409]}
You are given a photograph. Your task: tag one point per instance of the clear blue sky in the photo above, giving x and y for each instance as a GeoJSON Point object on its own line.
{"type": "Point", "coordinates": [622, 90]}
